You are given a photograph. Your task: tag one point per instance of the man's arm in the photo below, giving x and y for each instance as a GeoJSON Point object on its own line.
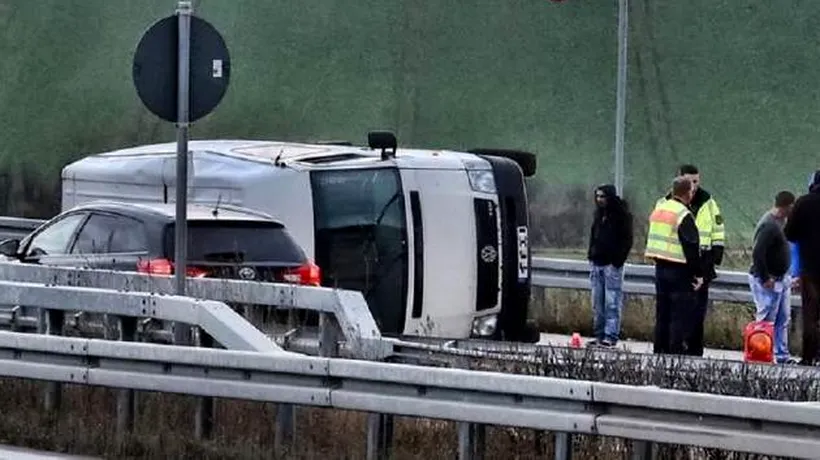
{"type": "Point", "coordinates": [794, 224]}
{"type": "Point", "coordinates": [690, 240]}
{"type": "Point", "coordinates": [718, 233]}
{"type": "Point", "coordinates": [626, 238]}
{"type": "Point", "coordinates": [763, 241]}
{"type": "Point", "coordinates": [591, 239]}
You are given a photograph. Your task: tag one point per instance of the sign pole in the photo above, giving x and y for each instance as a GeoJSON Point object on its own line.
{"type": "Point", "coordinates": [620, 106]}
{"type": "Point", "coordinates": [184, 11]}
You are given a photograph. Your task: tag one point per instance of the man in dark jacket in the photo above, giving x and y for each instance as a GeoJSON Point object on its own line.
{"type": "Point", "coordinates": [673, 243]}
{"type": "Point", "coordinates": [609, 245]}
{"type": "Point", "coordinates": [712, 234]}
{"type": "Point", "coordinates": [803, 228]}
{"type": "Point", "coordinates": [769, 277]}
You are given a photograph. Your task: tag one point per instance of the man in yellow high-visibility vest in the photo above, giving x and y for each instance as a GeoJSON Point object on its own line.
{"type": "Point", "coordinates": [712, 233]}
{"type": "Point", "coordinates": [673, 244]}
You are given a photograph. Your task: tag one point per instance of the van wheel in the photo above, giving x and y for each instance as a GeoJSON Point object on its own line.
{"type": "Point", "coordinates": [526, 160]}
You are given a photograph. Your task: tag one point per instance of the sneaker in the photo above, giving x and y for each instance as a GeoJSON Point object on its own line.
{"type": "Point", "coordinates": [789, 360]}
{"type": "Point", "coordinates": [607, 344]}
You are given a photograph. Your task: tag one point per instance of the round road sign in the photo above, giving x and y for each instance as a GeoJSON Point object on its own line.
{"type": "Point", "coordinates": [155, 68]}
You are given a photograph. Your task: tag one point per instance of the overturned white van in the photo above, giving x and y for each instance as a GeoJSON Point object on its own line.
{"type": "Point", "coordinates": [435, 240]}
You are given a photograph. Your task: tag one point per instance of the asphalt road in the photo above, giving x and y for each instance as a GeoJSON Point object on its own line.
{"type": "Point", "coordinates": [19, 453]}
{"type": "Point", "coordinates": [640, 347]}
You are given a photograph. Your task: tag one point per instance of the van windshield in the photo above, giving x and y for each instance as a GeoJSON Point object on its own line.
{"type": "Point", "coordinates": [361, 238]}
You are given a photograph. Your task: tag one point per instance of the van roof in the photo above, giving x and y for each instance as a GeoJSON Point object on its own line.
{"type": "Point", "coordinates": [306, 154]}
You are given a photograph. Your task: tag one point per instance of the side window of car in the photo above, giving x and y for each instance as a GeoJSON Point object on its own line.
{"type": "Point", "coordinates": [54, 239]}
{"type": "Point", "coordinates": [95, 236]}
{"type": "Point", "coordinates": [128, 236]}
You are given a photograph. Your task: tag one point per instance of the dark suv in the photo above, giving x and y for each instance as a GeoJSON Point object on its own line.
{"type": "Point", "coordinates": [223, 242]}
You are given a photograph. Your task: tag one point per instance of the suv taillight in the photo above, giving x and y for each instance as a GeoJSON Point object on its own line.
{"type": "Point", "coordinates": [308, 274]}
{"type": "Point", "coordinates": [166, 267]}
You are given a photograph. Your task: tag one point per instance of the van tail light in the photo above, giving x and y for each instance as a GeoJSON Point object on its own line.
{"type": "Point", "coordinates": [308, 274]}
{"type": "Point", "coordinates": [166, 267]}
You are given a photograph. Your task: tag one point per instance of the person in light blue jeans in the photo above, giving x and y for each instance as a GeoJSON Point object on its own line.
{"type": "Point", "coordinates": [607, 303]}
{"type": "Point", "coordinates": [770, 279]}
{"type": "Point", "coordinates": [609, 245]}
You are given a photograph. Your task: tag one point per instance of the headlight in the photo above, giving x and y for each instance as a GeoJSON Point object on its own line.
{"type": "Point", "coordinates": [484, 326]}
{"type": "Point", "coordinates": [482, 181]}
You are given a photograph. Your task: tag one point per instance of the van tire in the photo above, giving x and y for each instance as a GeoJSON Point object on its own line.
{"type": "Point", "coordinates": [527, 161]}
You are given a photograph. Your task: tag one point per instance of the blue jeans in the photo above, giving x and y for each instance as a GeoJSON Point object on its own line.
{"type": "Point", "coordinates": [607, 301]}
{"type": "Point", "coordinates": [774, 305]}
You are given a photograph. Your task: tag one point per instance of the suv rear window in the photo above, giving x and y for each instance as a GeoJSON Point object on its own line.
{"type": "Point", "coordinates": [238, 242]}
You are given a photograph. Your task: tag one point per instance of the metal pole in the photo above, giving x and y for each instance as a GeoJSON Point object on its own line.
{"type": "Point", "coordinates": [184, 12]}
{"type": "Point", "coordinates": [620, 106]}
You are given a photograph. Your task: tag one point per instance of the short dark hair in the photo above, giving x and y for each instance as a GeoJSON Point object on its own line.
{"type": "Point", "coordinates": [783, 199]}
{"type": "Point", "coordinates": [681, 186]}
{"type": "Point", "coordinates": [687, 169]}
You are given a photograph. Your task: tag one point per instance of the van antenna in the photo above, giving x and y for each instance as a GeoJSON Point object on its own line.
{"type": "Point", "coordinates": [276, 160]}
{"type": "Point", "coordinates": [215, 211]}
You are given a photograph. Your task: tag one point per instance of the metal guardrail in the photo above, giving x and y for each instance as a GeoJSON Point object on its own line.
{"type": "Point", "coordinates": [217, 319]}
{"type": "Point", "coordinates": [353, 320]}
{"type": "Point", "coordinates": [471, 397]}
{"type": "Point", "coordinates": [730, 286]}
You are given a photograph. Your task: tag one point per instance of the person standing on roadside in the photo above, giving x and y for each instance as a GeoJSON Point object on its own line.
{"type": "Point", "coordinates": [803, 229]}
{"type": "Point", "coordinates": [674, 245]}
{"type": "Point", "coordinates": [609, 244]}
{"type": "Point", "coordinates": [712, 234]}
{"type": "Point", "coordinates": [769, 277]}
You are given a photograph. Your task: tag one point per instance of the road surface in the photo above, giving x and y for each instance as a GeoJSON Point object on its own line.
{"type": "Point", "coordinates": [640, 347]}
{"type": "Point", "coordinates": [19, 453]}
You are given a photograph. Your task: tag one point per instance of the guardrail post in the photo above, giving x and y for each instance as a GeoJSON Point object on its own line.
{"type": "Point", "coordinates": [126, 403]}
{"type": "Point", "coordinates": [283, 438]}
{"type": "Point", "coordinates": [471, 441]}
{"type": "Point", "coordinates": [642, 450]}
{"type": "Point", "coordinates": [51, 323]}
{"type": "Point", "coordinates": [563, 446]}
{"type": "Point", "coordinates": [203, 424]}
{"type": "Point", "coordinates": [379, 436]}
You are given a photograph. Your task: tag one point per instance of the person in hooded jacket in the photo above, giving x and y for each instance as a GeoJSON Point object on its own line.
{"type": "Point", "coordinates": [803, 229]}
{"type": "Point", "coordinates": [610, 241]}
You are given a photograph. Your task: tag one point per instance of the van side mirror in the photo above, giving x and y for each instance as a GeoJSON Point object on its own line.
{"type": "Point", "coordinates": [9, 247]}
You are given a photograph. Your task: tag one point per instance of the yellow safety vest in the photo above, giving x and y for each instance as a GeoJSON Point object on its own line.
{"type": "Point", "coordinates": [709, 221]}
{"type": "Point", "coordinates": [662, 241]}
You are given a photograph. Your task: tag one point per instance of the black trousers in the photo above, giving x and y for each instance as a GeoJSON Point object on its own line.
{"type": "Point", "coordinates": [810, 304]}
{"type": "Point", "coordinates": [694, 344]}
{"type": "Point", "coordinates": [675, 301]}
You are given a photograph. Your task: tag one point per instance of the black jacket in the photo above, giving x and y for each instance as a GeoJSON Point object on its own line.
{"type": "Point", "coordinates": [803, 228]}
{"type": "Point", "coordinates": [610, 238]}
{"type": "Point", "coordinates": [712, 257]}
